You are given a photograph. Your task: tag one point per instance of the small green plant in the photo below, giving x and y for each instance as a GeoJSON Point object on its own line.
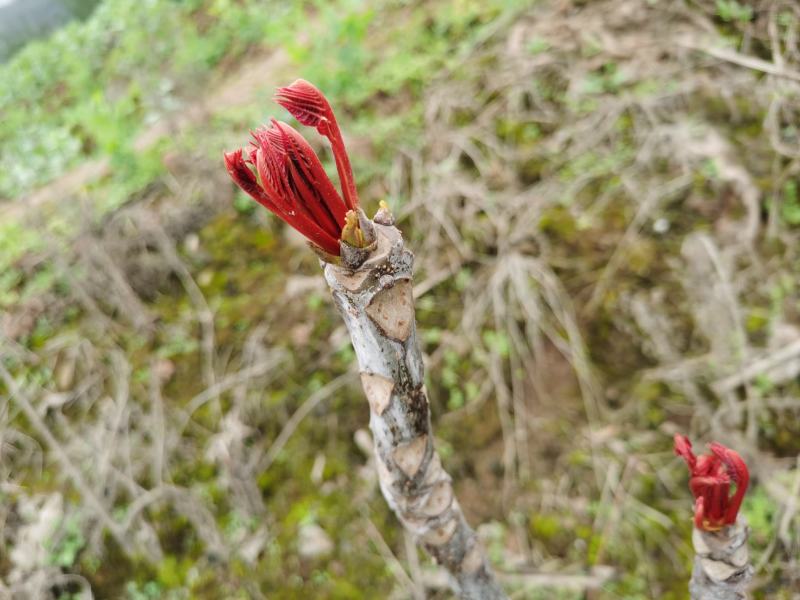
{"type": "Point", "coordinates": [538, 45]}
{"type": "Point", "coordinates": [790, 209]}
{"type": "Point", "coordinates": [760, 511]}
{"type": "Point", "coordinates": [731, 10]}
{"type": "Point", "coordinates": [64, 551]}
{"type": "Point", "coordinates": [609, 79]}
{"type": "Point", "coordinates": [148, 591]}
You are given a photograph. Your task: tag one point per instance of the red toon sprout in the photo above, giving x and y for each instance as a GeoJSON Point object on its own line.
{"type": "Point", "coordinates": [282, 172]}
{"type": "Point", "coordinates": [710, 482]}
{"type": "Point", "coordinates": [310, 107]}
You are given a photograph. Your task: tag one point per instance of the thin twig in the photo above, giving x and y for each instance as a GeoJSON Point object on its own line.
{"type": "Point", "coordinates": [61, 455]}
{"type": "Point", "coordinates": [749, 62]}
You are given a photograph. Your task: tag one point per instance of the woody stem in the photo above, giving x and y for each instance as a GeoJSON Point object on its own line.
{"type": "Point", "coordinates": [377, 306]}
{"type": "Point", "coordinates": [722, 569]}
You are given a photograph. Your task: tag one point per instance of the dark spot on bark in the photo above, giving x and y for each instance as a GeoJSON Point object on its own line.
{"type": "Point", "coordinates": [384, 269]}
{"type": "Point", "coordinates": [446, 555]}
{"type": "Point", "coordinates": [417, 405]}
{"type": "Point", "coordinates": [404, 384]}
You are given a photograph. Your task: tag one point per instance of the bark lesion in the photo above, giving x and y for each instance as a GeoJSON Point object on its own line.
{"type": "Point", "coordinates": [416, 404]}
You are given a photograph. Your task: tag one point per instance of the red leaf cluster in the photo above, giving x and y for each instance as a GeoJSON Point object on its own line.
{"type": "Point", "coordinates": [282, 172]}
{"type": "Point", "coordinates": [710, 480]}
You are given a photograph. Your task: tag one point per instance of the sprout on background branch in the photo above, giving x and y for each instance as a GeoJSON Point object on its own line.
{"type": "Point", "coordinates": [710, 482]}
{"type": "Point", "coordinates": [722, 569]}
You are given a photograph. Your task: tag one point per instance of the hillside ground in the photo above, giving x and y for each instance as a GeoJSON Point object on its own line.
{"type": "Point", "coordinates": [602, 199]}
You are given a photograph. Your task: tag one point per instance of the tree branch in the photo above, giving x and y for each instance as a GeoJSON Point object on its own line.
{"type": "Point", "coordinates": [722, 569]}
{"type": "Point", "coordinates": [377, 305]}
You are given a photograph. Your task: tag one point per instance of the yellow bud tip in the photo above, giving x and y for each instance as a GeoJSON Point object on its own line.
{"type": "Point", "coordinates": [351, 232]}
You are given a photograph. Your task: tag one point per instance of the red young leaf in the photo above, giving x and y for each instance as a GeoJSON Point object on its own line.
{"type": "Point", "coordinates": [284, 174]}
{"type": "Point", "coordinates": [710, 481]}
{"type": "Point", "coordinates": [310, 107]}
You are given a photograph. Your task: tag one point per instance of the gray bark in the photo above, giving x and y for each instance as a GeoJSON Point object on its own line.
{"type": "Point", "coordinates": [377, 305]}
{"type": "Point", "coordinates": [722, 569]}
